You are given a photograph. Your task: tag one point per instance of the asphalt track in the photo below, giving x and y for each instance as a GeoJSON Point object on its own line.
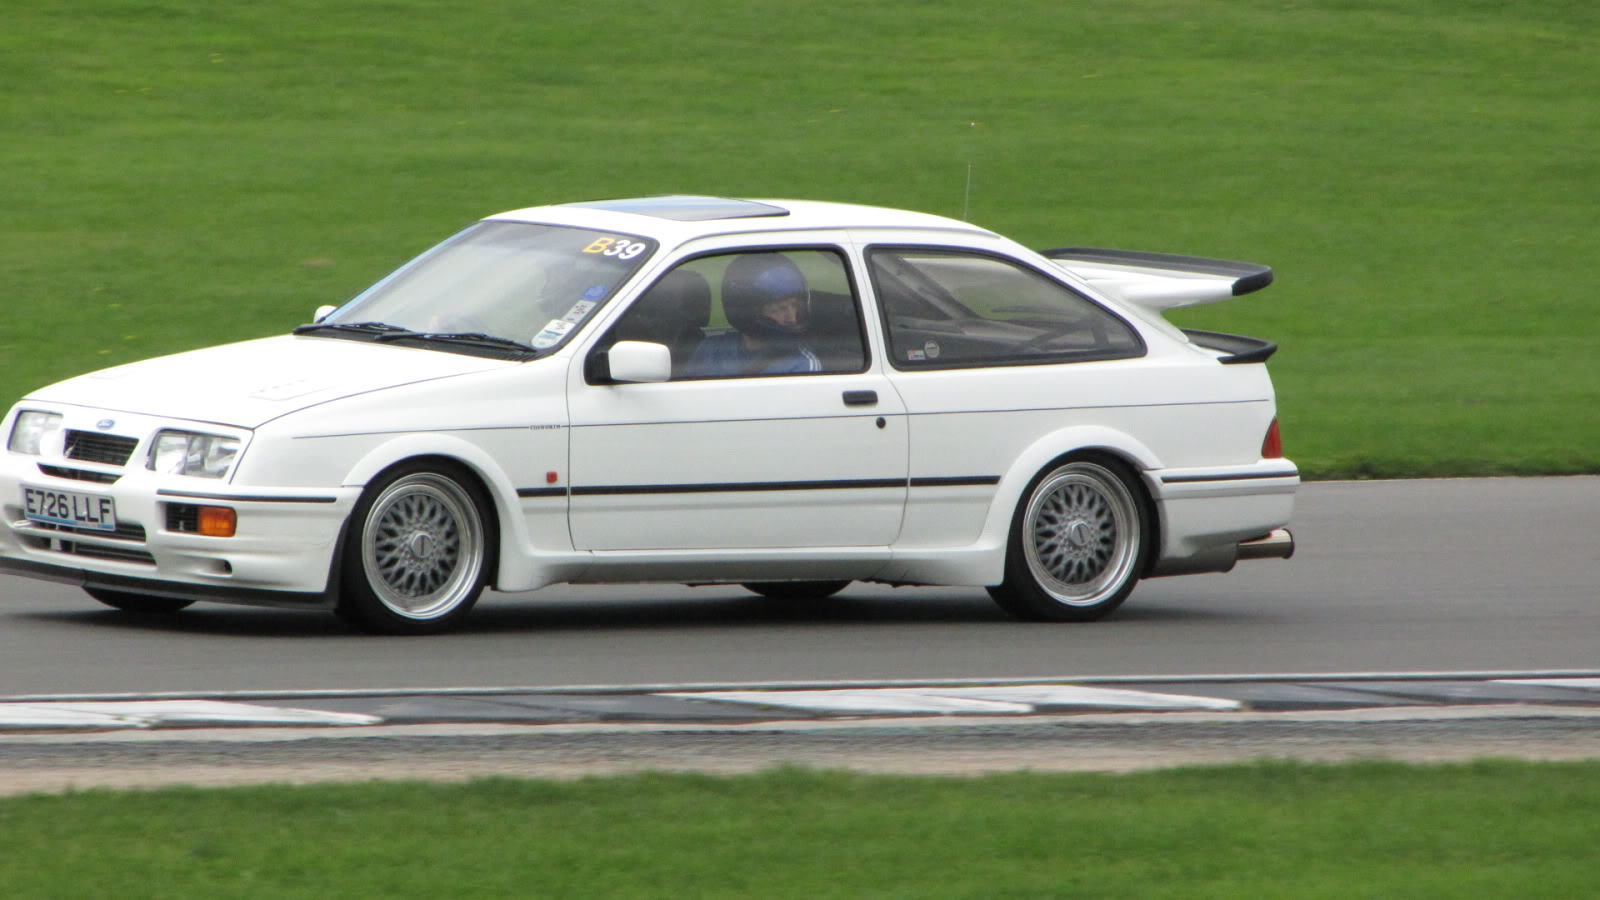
{"type": "Point", "coordinates": [1404, 576]}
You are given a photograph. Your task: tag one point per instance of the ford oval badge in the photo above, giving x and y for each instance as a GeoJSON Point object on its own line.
{"type": "Point", "coordinates": [104, 424]}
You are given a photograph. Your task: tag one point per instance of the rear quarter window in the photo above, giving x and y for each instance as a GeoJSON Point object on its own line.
{"type": "Point", "coordinates": [951, 308]}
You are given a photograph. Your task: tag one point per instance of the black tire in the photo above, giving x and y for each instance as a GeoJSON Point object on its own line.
{"type": "Point", "coordinates": [143, 604]}
{"type": "Point", "coordinates": [795, 591]}
{"type": "Point", "coordinates": [1078, 543]}
{"type": "Point", "coordinates": [418, 551]}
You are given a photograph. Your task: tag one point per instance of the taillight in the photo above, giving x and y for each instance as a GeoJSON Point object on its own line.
{"type": "Point", "coordinates": [1272, 445]}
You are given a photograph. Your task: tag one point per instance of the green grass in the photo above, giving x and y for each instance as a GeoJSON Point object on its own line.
{"type": "Point", "coordinates": [1487, 829]}
{"type": "Point", "coordinates": [178, 173]}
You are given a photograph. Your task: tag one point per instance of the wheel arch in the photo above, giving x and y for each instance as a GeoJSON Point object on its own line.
{"type": "Point", "coordinates": [1077, 442]}
{"type": "Point", "coordinates": [466, 458]}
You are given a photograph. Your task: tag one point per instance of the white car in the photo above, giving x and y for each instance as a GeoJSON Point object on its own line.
{"type": "Point", "coordinates": [786, 395]}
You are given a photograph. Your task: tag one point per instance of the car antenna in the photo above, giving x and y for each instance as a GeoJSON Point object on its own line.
{"type": "Point", "coordinates": [966, 197]}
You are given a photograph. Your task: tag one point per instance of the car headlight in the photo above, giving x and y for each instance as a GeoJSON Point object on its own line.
{"type": "Point", "coordinates": [30, 431]}
{"type": "Point", "coordinates": [188, 453]}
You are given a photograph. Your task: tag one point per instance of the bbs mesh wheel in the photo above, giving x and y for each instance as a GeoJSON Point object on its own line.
{"type": "Point", "coordinates": [1077, 544]}
{"type": "Point", "coordinates": [417, 553]}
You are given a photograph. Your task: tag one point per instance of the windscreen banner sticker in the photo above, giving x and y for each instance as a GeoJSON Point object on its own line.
{"type": "Point", "coordinates": [553, 332]}
{"type": "Point", "coordinates": [621, 248]}
{"type": "Point", "coordinates": [578, 311]}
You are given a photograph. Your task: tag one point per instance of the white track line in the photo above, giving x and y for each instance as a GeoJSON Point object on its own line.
{"type": "Point", "coordinates": [1012, 700]}
{"type": "Point", "coordinates": [1591, 684]}
{"type": "Point", "coordinates": [152, 713]}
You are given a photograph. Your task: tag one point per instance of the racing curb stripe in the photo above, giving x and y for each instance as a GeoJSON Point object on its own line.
{"type": "Point", "coordinates": [1015, 700]}
{"type": "Point", "coordinates": [705, 705]}
{"type": "Point", "coordinates": [155, 713]}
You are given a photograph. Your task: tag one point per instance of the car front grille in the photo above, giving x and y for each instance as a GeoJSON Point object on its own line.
{"type": "Point", "coordinates": [79, 474]}
{"type": "Point", "coordinates": [183, 517]}
{"type": "Point", "coordinates": [126, 531]}
{"type": "Point", "coordinates": [108, 449]}
{"type": "Point", "coordinates": [102, 551]}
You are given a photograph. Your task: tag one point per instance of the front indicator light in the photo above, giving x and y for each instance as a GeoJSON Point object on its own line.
{"type": "Point", "coordinates": [218, 521]}
{"type": "Point", "coordinates": [30, 431]}
{"type": "Point", "coordinates": [189, 453]}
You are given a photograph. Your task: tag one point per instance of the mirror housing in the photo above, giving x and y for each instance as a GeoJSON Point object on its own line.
{"type": "Point", "coordinates": [322, 313]}
{"type": "Point", "coordinates": [639, 361]}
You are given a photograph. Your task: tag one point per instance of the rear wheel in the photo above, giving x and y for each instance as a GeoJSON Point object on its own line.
{"type": "Point", "coordinates": [1077, 544]}
{"type": "Point", "coordinates": [417, 554]}
{"type": "Point", "coordinates": [143, 604]}
{"type": "Point", "coordinates": [795, 591]}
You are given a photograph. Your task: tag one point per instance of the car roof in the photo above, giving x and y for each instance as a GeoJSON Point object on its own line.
{"type": "Point", "coordinates": [679, 217]}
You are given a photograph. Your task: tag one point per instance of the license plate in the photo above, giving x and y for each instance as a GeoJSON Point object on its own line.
{"type": "Point", "coordinates": [70, 508]}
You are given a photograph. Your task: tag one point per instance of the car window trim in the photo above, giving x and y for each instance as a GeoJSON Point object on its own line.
{"type": "Point", "coordinates": [857, 297]}
{"type": "Point", "coordinates": [868, 250]}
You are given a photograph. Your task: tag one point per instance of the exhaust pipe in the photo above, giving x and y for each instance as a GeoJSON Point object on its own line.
{"type": "Point", "coordinates": [1277, 545]}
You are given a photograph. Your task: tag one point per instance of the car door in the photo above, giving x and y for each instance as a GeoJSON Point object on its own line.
{"type": "Point", "coordinates": [760, 456]}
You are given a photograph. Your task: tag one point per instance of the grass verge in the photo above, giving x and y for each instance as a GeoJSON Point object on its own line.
{"type": "Point", "coordinates": [179, 173]}
{"type": "Point", "coordinates": [1486, 829]}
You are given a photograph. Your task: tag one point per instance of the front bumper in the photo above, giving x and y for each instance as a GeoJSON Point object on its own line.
{"type": "Point", "coordinates": [282, 553]}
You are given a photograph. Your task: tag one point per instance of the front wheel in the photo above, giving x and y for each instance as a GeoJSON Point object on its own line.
{"type": "Point", "coordinates": [143, 604]}
{"type": "Point", "coordinates": [1077, 544]}
{"type": "Point", "coordinates": [417, 553]}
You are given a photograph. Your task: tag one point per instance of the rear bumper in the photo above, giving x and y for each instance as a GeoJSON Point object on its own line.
{"type": "Point", "coordinates": [1211, 518]}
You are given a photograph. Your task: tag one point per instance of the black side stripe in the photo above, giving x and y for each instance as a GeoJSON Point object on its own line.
{"type": "Point", "coordinates": [955, 480]}
{"type": "Point", "coordinates": [542, 492]}
{"type": "Point", "coordinates": [1186, 479]}
{"type": "Point", "coordinates": [748, 486]}
{"type": "Point", "coordinates": [736, 486]}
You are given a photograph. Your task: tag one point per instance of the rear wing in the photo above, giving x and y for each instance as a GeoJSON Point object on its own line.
{"type": "Point", "coordinates": [1157, 282]}
{"type": "Point", "coordinates": [1161, 281]}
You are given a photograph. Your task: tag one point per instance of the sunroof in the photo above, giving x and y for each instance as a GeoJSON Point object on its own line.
{"type": "Point", "coordinates": [685, 208]}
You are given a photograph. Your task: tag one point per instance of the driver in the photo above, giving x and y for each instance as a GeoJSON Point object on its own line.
{"type": "Point", "coordinates": [768, 303]}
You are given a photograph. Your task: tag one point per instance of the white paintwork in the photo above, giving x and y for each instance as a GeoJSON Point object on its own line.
{"type": "Point", "coordinates": [251, 383]}
{"type": "Point", "coordinates": [320, 417]}
{"type": "Point", "coordinates": [641, 362]}
{"type": "Point", "coordinates": [1152, 287]}
{"type": "Point", "coordinates": [724, 432]}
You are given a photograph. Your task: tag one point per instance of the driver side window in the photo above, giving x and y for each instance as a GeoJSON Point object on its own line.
{"type": "Point", "coordinates": [752, 313]}
{"type": "Point", "coordinates": [946, 309]}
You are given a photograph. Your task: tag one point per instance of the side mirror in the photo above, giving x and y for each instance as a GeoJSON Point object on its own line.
{"type": "Point", "coordinates": [322, 313]}
{"type": "Point", "coordinates": [640, 361]}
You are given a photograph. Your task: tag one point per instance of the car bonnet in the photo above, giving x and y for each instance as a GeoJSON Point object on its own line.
{"type": "Point", "coordinates": [248, 384]}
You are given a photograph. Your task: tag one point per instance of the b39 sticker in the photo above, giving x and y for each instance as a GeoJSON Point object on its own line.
{"type": "Point", "coordinates": [621, 248]}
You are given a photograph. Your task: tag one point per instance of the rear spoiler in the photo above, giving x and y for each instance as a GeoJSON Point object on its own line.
{"type": "Point", "coordinates": [1161, 281]}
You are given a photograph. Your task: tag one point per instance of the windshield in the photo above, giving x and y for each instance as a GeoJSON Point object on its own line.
{"type": "Point", "coordinates": [509, 281]}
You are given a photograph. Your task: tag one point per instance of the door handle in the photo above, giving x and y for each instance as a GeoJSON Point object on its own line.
{"type": "Point", "coordinates": [860, 398]}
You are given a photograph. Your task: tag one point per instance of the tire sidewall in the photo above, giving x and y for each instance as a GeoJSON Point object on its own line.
{"type": "Point", "coordinates": [360, 603]}
{"type": "Point", "coordinates": [1022, 595]}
